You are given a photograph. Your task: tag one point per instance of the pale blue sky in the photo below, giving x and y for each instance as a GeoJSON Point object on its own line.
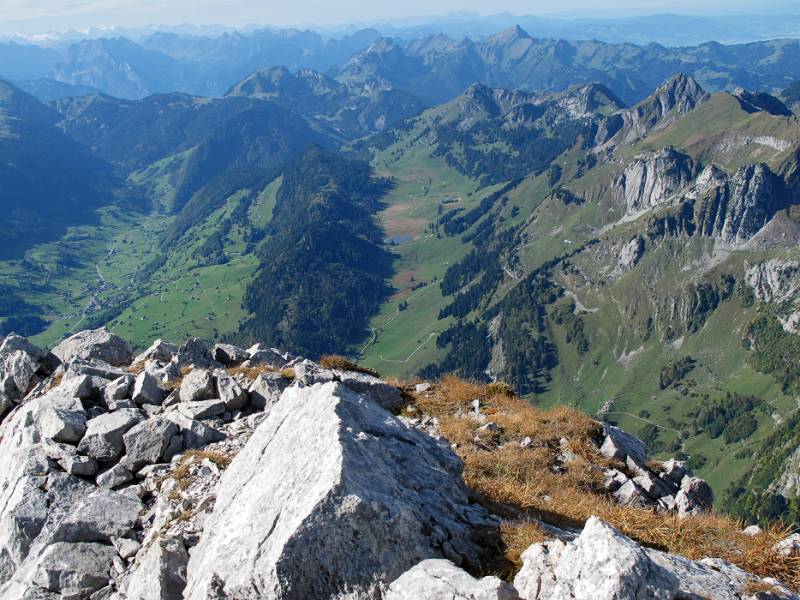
{"type": "Point", "coordinates": [63, 14]}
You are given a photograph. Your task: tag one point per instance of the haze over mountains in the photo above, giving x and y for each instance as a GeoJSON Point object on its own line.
{"type": "Point", "coordinates": [607, 225]}
{"type": "Point", "coordinates": [430, 65]}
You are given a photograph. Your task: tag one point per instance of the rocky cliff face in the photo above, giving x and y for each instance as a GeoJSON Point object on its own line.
{"type": "Point", "coordinates": [736, 208]}
{"type": "Point", "coordinates": [731, 208]}
{"type": "Point", "coordinates": [220, 474]}
{"type": "Point", "coordinates": [651, 179]}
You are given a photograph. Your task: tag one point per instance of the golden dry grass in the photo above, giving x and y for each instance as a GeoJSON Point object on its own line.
{"type": "Point", "coordinates": [56, 381]}
{"type": "Point", "coordinates": [174, 385]}
{"type": "Point", "coordinates": [251, 373]}
{"type": "Point", "coordinates": [137, 368]}
{"type": "Point", "coordinates": [340, 363]}
{"type": "Point", "coordinates": [181, 472]}
{"type": "Point", "coordinates": [523, 484]}
{"type": "Point", "coordinates": [288, 374]}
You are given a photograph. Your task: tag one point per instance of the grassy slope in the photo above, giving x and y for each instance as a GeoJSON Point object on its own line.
{"type": "Point", "coordinates": [187, 299]}
{"type": "Point", "coordinates": [719, 129]}
{"type": "Point", "coordinates": [180, 300]}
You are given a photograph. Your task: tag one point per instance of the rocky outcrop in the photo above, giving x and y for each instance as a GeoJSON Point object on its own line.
{"type": "Point", "coordinates": [23, 366]}
{"type": "Point", "coordinates": [307, 487]}
{"type": "Point", "coordinates": [777, 282]}
{"type": "Point", "coordinates": [651, 179]}
{"type": "Point", "coordinates": [97, 344]}
{"type": "Point", "coordinates": [670, 487]}
{"type": "Point", "coordinates": [603, 564]}
{"type": "Point", "coordinates": [761, 102]}
{"type": "Point", "coordinates": [374, 498]}
{"type": "Point", "coordinates": [631, 254]}
{"type": "Point", "coordinates": [733, 209]}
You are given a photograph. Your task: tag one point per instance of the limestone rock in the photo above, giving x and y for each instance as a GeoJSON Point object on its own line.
{"type": "Point", "coordinates": [114, 477]}
{"type": "Point", "coordinates": [387, 395]}
{"type": "Point", "coordinates": [619, 445]}
{"type": "Point", "coordinates": [98, 517]}
{"type": "Point", "coordinates": [694, 497]}
{"type": "Point", "coordinates": [229, 355]}
{"type": "Point", "coordinates": [160, 574]}
{"type": "Point", "coordinates": [194, 433]}
{"type": "Point", "coordinates": [602, 564]}
{"type": "Point", "coordinates": [103, 439]}
{"type": "Point", "coordinates": [62, 425]}
{"type": "Point", "coordinates": [16, 343]}
{"type": "Point", "coordinates": [673, 470]}
{"type": "Point", "coordinates": [159, 350]}
{"type": "Point", "coordinates": [202, 409]}
{"type": "Point", "coordinates": [97, 344]}
{"type": "Point", "coordinates": [82, 466]}
{"type": "Point", "coordinates": [195, 353]}
{"type": "Point", "coordinates": [631, 253]}
{"type": "Point", "coordinates": [365, 500]}
{"type": "Point", "coordinates": [438, 579]}
{"type": "Point", "coordinates": [197, 385]}
{"type": "Point", "coordinates": [259, 355]}
{"type": "Point", "coordinates": [266, 390]}
{"type": "Point", "coordinates": [789, 546]}
{"type": "Point", "coordinates": [652, 178]}
{"type": "Point", "coordinates": [19, 367]}
{"type": "Point", "coordinates": [29, 498]}
{"type": "Point", "coordinates": [74, 570]}
{"type": "Point", "coordinates": [95, 368]}
{"type": "Point", "coordinates": [146, 390]}
{"type": "Point", "coordinates": [117, 390]}
{"type": "Point", "coordinates": [146, 442]}
{"type": "Point", "coordinates": [230, 392]}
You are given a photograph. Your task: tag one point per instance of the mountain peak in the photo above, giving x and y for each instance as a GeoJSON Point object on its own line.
{"type": "Point", "coordinates": [512, 34]}
{"type": "Point", "coordinates": [681, 91]}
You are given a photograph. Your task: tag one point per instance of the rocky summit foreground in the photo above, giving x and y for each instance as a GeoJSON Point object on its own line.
{"type": "Point", "coordinates": [219, 473]}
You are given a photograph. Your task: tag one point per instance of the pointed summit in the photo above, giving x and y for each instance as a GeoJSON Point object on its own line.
{"type": "Point", "coordinates": [511, 44]}
{"type": "Point", "coordinates": [511, 35]}
{"type": "Point", "coordinates": [680, 93]}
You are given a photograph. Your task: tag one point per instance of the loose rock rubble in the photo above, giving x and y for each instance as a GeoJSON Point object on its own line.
{"type": "Point", "coordinates": [220, 473]}
{"type": "Point", "coordinates": [670, 487]}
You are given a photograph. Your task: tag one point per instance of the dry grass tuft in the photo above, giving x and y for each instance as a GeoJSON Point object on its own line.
{"type": "Point", "coordinates": [136, 369]}
{"type": "Point", "coordinates": [288, 374]}
{"type": "Point", "coordinates": [340, 363]}
{"type": "Point", "coordinates": [753, 587]}
{"type": "Point", "coordinates": [174, 385]}
{"type": "Point", "coordinates": [181, 474]}
{"type": "Point", "coordinates": [499, 388]}
{"type": "Point", "coordinates": [524, 482]}
{"type": "Point", "coordinates": [56, 381]}
{"type": "Point", "coordinates": [517, 537]}
{"type": "Point", "coordinates": [251, 373]}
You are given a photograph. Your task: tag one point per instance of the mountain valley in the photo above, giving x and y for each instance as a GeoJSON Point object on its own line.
{"type": "Point", "coordinates": [606, 226]}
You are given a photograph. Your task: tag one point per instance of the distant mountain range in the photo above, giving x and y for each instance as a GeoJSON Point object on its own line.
{"type": "Point", "coordinates": [434, 68]}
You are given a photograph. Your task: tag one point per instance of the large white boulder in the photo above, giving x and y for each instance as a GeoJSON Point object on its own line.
{"type": "Point", "coordinates": [332, 497]}
{"type": "Point", "coordinates": [95, 344]}
{"type": "Point", "coordinates": [601, 564]}
{"type": "Point", "coordinates": [439, 579]}
{"type": "Point", "coordinates": [604, 564]}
